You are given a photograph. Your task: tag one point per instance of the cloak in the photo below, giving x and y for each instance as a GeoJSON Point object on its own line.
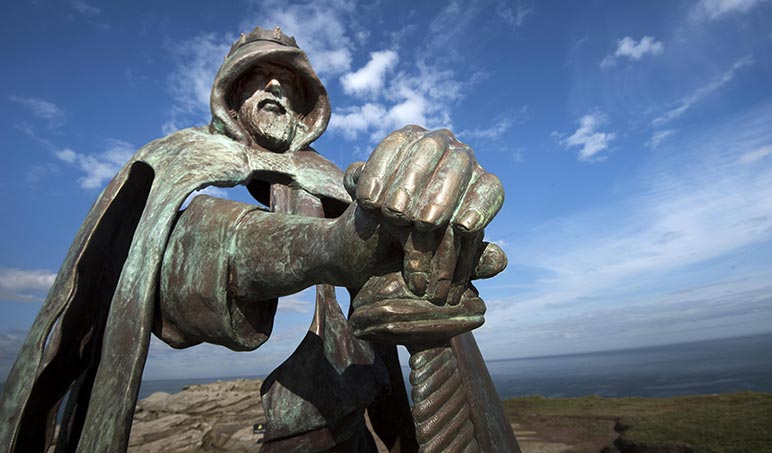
{"type": "Point", "coordinates": [93, 331]}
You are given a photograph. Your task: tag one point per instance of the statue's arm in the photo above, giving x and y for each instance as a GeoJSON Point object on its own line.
{"type": "Point", "coordinates": [226, 263]}
{"type": "Point", "coordinates": [422, 202]}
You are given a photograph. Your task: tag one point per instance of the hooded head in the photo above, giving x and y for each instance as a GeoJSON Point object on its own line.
{"type": "Point", "coordinates": [266, 93]}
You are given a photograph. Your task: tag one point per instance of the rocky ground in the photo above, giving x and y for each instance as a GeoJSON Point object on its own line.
{"type": "Point", "coordinates": [220, 416]}
{"type": "Point", "coordinates": [216, 417]}
{"type": "Point", "coordinates": [212, 417]}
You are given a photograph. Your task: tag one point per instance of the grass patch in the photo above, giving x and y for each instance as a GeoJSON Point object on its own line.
{"type": "Point", "coordinates": [736, 422]}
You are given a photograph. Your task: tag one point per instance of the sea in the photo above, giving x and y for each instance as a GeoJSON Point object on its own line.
{"type": "Point", "coordinates": [696, 368]}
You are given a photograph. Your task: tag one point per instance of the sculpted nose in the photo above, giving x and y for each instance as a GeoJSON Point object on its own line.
{"type": "Point", "coordinates": [274, 87]}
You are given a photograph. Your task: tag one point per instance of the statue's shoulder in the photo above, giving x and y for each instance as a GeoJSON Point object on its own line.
{"type": "Point", "coordinates": [187, 140]}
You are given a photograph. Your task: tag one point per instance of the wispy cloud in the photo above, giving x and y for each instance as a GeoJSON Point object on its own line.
{"type": "Point", "coordinates": [716, 9]}
{"type": "Point", "coordinates": [514, 15]}
{"type": "Point", "coordinates": [326, 31]}
{"type": "Point", "coordinates": [369, 79]}
{"type": "Point", "coordinates": [588, 137]}
{"type": "Point", "coordinates": [687, 210]}
{"type": "Point", "coordinates": [628, 48]}
{"type": "Point", "coordinates": [574, 50]}
{"type": "Point", "coordinates": [498, 127]}
{"type": "Point", "coordinates": [25, 285]}
{"type": "Point", "coordinates": [89, 14]}
{"type": "Point", "coordinates": [101, 167]}
{"type": "Point", "coordinates": [97, 168]}
{"type": "Point", "coordinates": [190, 84]}
{"type": "Point", "coordinates": [302, 302]}
{"type": "Point", "coordinates": [729, 307]}
{"type": "Point", "coordinates": [660, 136]}
{"type": "Point", "coordinates": [45, 110]}
{"type": "Point", "coordinates": [86, 9]}
{"type": "Point", "coordinates": [687, 102]}
{"type": "Point", "coordinates": [518, 155]}
{"type": "Point", "coordinates": [756, 155]}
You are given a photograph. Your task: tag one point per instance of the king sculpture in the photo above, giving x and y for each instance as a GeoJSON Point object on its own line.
{"type": "Point", "coordinates": [402, 232]}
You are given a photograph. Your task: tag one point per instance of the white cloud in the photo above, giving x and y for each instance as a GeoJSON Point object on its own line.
{"type": "Point", "coordinates": [628, 48]}
{"type": "Point", "coordinates": [687, 102]}
{"type": "Point", "coordinates": [369, 79]}
{"type": "Point", "coordinates": [42, 109]}
{"type": "Point", "coordinates": [350, 121]}
{"type": "Point", "coordinates": [190, 84]}
{"type": "Point", "coordinates": [715, 9]}
{"type": "Point", "coordinates": [588, 138]}
{"type": "Point", "coordinates": [756, 155]}
{"type": "Point", "coordinates": [25, 285]}
{"type": "Point", "coordinates": [412, 110]}
{"type": "Point", "coordinates": [379, 119]}
{"type": "Point", "coordinates": [98, 168]}
{"type": "Point", "coordinates": [421, 95]}
{"type": "Point", "coordinates": [659, 136]}
{"type": "Point", "coordinates": [66, 155]}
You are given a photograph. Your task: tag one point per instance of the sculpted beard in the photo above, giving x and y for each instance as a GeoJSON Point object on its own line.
{"type": "Point", "coordinates": [270, 121]}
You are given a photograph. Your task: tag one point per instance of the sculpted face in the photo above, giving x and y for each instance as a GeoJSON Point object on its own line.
{"type": "Point", "coordinates": [269, 113]}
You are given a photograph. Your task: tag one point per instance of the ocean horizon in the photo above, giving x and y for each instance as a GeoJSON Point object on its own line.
{"type": "Point", "coordinates": [723, 365]}
{"type": "Point", "coordinates": [694, 368]}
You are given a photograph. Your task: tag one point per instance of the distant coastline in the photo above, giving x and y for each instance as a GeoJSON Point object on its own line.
{"type": "Point", "coordinates": [690, 368]}
{"type": "Point", "coordinates": [636, 348]}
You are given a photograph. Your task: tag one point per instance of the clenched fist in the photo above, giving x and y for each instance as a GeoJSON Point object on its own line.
{"type": "Point", "coordinates": [436, 200]}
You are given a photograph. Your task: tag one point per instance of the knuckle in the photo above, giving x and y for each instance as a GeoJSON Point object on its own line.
{"type": "Point", "coordinates": [495, 182]}
{"type": "Point", "coordinates": [404, 134]}
{"type": "Point", "coordinates": [491, 185]}
{"type": "Point", "coordinates": [431, 142]}
{"type": "Point", "coordinates": [463, 159]}
{"type": "Point", "coordinates": [412, 129]}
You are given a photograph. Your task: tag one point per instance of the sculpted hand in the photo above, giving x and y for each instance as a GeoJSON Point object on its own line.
{"type": "Point", "coordinates": [436, 200]}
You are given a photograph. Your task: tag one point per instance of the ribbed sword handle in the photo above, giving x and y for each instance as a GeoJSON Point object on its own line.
{"type": "Point", "coordinates": [440, 408]}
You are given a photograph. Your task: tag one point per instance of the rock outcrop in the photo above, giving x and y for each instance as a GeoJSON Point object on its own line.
{"type": "Point", "coordinates": [216, 417]}
{"type": "Point", "coordinates": [211, 417]}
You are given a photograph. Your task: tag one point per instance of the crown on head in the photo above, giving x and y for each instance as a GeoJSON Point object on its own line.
{"type": "Point", "coordinates": [261, 34]}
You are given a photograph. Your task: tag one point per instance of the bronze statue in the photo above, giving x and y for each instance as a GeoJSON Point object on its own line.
{"type": "Point", "coordinates": [403, 232]}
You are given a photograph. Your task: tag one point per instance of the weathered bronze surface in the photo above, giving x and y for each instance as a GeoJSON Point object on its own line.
{"type": "Point", "coordinates": [403, 232]}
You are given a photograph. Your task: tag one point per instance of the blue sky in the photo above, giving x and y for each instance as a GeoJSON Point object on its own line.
{"type": "Point", "coordinates": [633, 139]}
